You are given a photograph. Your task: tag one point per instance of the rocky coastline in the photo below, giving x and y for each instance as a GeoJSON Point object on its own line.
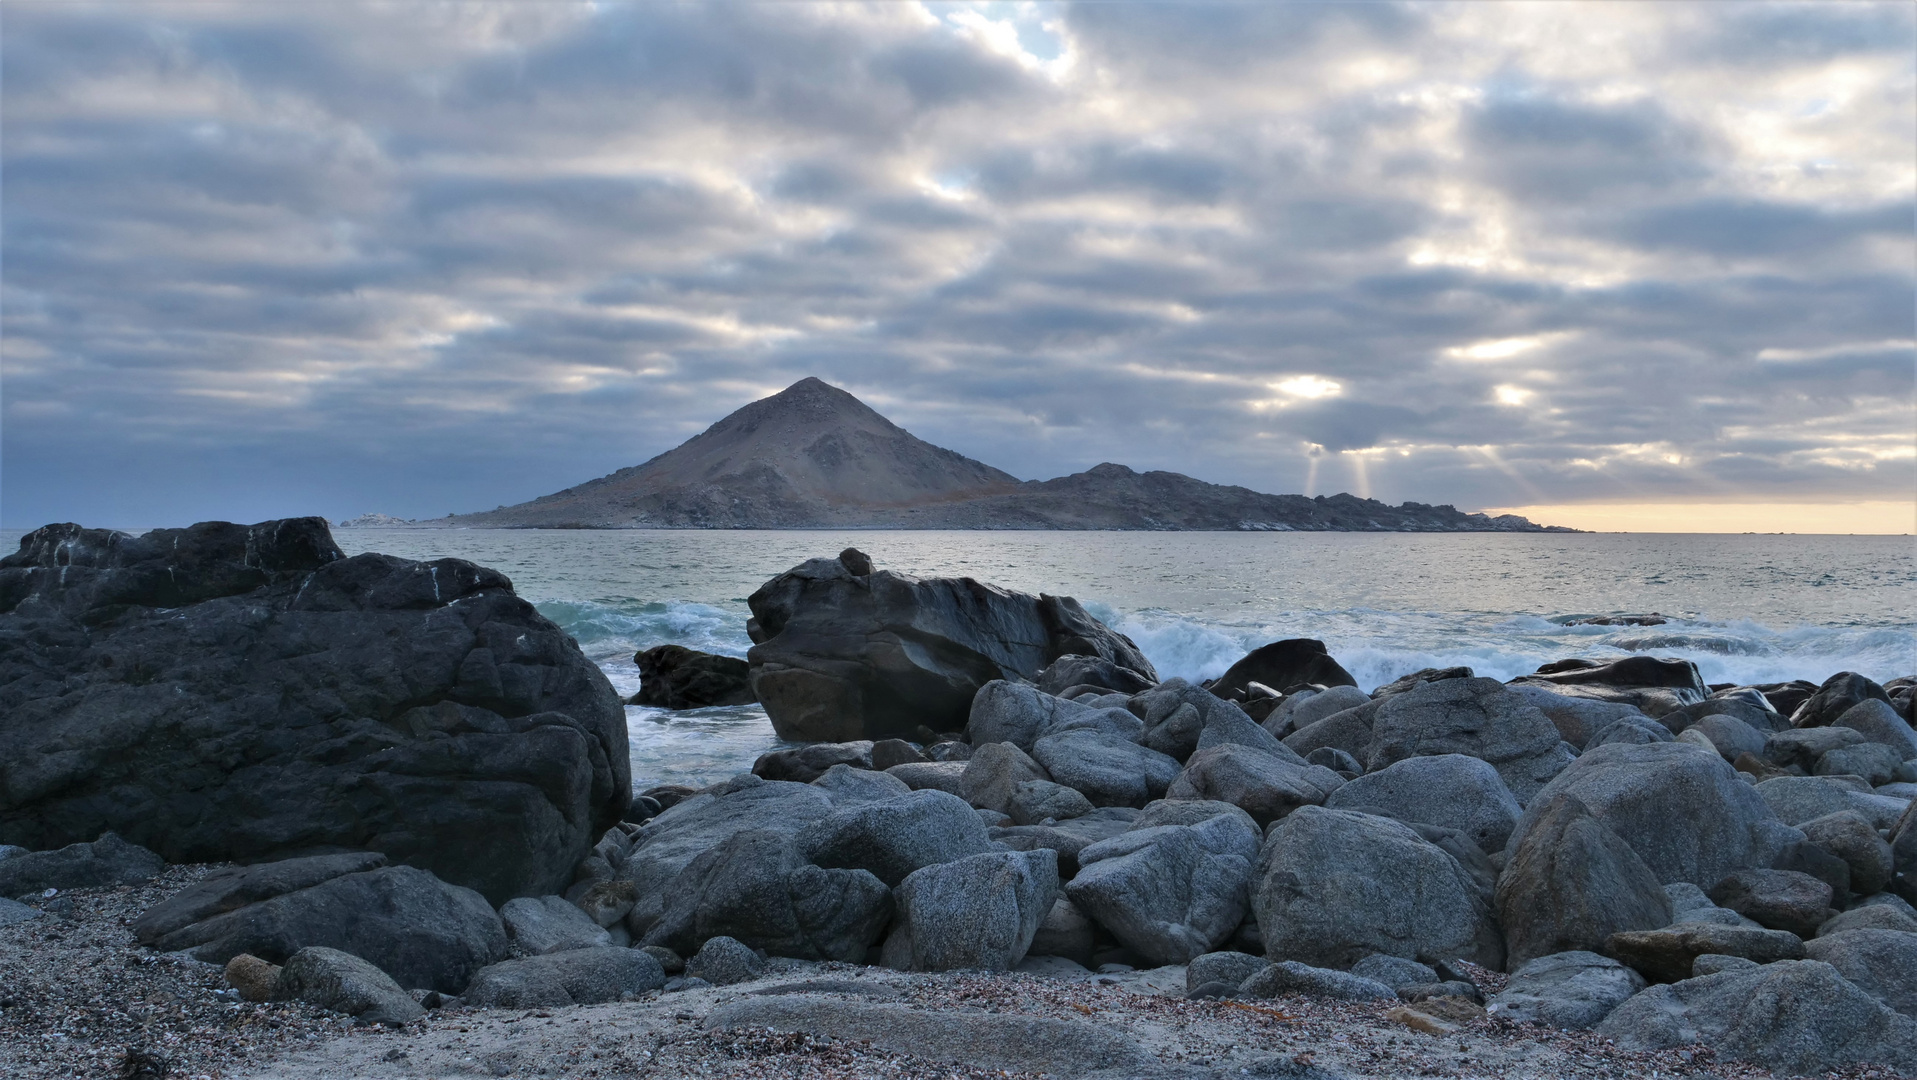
{"type": "Point", "coordinates": [268, 811]}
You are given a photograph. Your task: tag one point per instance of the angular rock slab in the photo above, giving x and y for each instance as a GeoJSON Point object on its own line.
{"type": "Point", "coordinates": [1477, 718]}
{"type": "Point", "coordinates": [1262, 784]}
{"type": "Point", "coordinates": [548, 924]}
{"type": "Point", "coordinates": [1778, 899]}
{"type": "Point", "coordinates": [1107, 769]}
{"type": "Point", "coordinates": [757, 887]}
{"type": "Point", "coordinates": [894, 837]}
{"type": "Point", "coordinates": [425, 933]}
{"type": "Point", "coordinates": [1684, 810]}
{"type": "Point", "coordinates": [1453, 790]}
{"type": "Point", "coordinates": [1335, 886]}
{"type": "Point", "coordinates": [1168, 893]}
{"type": "Point", "coordinates": [1572, 990]}
{"type": "Point", "coordinates": [571, 977]}
{"type": "Point", "coordinates": [240, 693]}
{"type": "Point", "coordinates": [980, 912]}
{"type": "Point", "coordinates": [235, 887]}
{"type": "Point", "coordinates": [1797, 1017]}
{"type": "Point", "coordinates": [1573, 883]}
{"type": "Point", "coordinates": [1667, 954]}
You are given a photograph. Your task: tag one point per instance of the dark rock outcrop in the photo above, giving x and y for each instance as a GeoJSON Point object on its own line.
{"type": "Point", "coordinates": [1655, 686]}
{"type": "Point", "coordinates": [237, 693]}
{"type": "Point", "coordinates": [841, 656]}
{"type": "Point", "coordinates": [1282, 665]}
{"type": "Point", "coordinates": [106, 861]}
{"type": "Point", "coordinates": [675, 677]}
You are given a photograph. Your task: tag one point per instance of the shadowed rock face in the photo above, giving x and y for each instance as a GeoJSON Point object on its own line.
{"type": "Point", "coordinates": [814, 456]}
{"type": "Point", "coordinates": [233, 692]}
{"type": "Point", "coordinates": [843, 656]}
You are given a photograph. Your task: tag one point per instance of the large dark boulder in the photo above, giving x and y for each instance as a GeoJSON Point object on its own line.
{"type": "Point", "coordinates": [1282, 665]}
{"type": "Point", "coordinates": [675, 677]}
{"type": "Point", "coordinates": [1655, 686]}
{"type": "Point", "coordinates": [241, 693]}
{"type": "Point", "coordinates": [840, 655]}
{"type": "Point", "coordinates": [1839, 694]}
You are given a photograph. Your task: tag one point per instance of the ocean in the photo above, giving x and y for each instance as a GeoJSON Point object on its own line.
{"type": "Point", "coordinates": [1745, 608]}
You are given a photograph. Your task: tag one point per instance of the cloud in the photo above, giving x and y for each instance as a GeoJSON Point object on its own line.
{"type": "Point", "coordinates": [270, 259]}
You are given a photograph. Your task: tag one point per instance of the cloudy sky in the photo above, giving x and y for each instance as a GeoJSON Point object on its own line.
{"type": "Point", "coordinates": [1649, 259]}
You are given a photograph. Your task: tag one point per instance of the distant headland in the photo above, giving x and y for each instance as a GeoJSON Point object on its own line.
{"type": "Point", "coordinates": [814, 457]}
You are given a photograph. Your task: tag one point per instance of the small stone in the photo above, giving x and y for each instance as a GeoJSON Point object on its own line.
{"type": "Point", "coordinates": [1419, 1021]}
{"type": "Point", "coordinates": [669, 962]}
{"type": "Point", "coordinates": [253, 977]}
{"type": "Point", "coordinates": [722, 961]}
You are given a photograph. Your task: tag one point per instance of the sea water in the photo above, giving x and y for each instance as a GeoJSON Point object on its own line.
{"type": "Point", "coordinates": [1744, 608]}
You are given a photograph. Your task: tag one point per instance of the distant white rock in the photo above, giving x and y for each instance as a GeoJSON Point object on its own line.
{"type": "Point", "coordinates": [374, 521]}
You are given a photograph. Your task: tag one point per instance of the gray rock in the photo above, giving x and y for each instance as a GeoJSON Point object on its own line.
{"type": "Point", "coordinates": [889, 752]}
{"type": "Point", "coordinates": [235, 887]}
{"type": "Point", "coordinates": [1453, 790]}
{"type": "Point", "coordinates": [1065, 838]}
{"type": "Point", "coordinates": [106, 861]}
{"type": "Point", "coordinates": [669, 962]}
{"type": "Point", "coordinates": [1694, 737]}
{"type": "Point", "coordinates": [948, 776]}
{"type": "Point", "coordinates": [1666, 955]}
{"type": "Point", "coordinates": [1334, 886]}
{"type": "Point", "coordinates": [1475, 717]}
{"type": "Point", "coordinates": [1012, 712]}
{"type": "Point", "coordinates": [897, 836]}
{"type": "Point", "coordinates": [1282, 665]}
{"type": "Point", "coordinates": [608, 903]}
{"type": "Point", "coordinates": [1394, 971]}
{"type": "Point", "coordinates": [1301, 710]}
{"type": "Point", "coordinates": [1073, 670]}
{"type": "Point", "coordinates": [723, 961]}
{"type": "Point", "coordinates": [1879, 723]}
{"type": "Point", "coordinates": [1803, 746]}
{"type": "Point", "coordinates": [1750, 709]}
{"type": "Point", "coordinates": [1848, 836]}
{"type": "Point", "coordinates": [1117, 722]}
{"type": "Point", "coordinates": [1571, 884]}
{"type": "Point", "coordinates": [1572, 990]}
{"type": "Point", "coordinates": [1875, 762]}
{"type": "Point", "coordinates": [1292, 977]}
{"type": "Point", "coordinates": [1778, 899]}
{"type": "Point", "coordinates": [235, 693]}
{"type": "Point", "coordinates": [758, 887]}
{"type": "Point", "coordinates": [1882, 963]}
{"type": "Point", "coordinates": [1798, 799]}
{"type": "Point", "coordinates": [13, 911]}
{"type": "Point", "coordinates": [1009, 1041]}
{"type": "Point", "coordinates": [1336, 760]}
{"type": "Point", "coordinates": [1729, 736]}
{"type": "Point", "coordinates": [1106, 769]}
{"type": "Point", "coordinates": [1188, 812]}
{"type": "Point", "coordinates": [418, 929]}
{"type": "Point", "coordinates": [343, 983]}
{"type": "Point", "coordinates": [1171, 892]}
{"type": "Point", "coordinates": [839, 655]}
{"type": "Point", "coordinates": [8, 851]}
{"type": "Point", "coordinates": [1349, 731]}
{"type": "Point", "coordinates": [1636, 730]}
{"type": "Point", "coordinates": [1175, 714]}
{"type": "Point", "coordinates": [1686, 897]}
{"type": "Point", "coordinates": [1839, 694]}
{"type": "Point", "coordinates": [1712, 963]}
{"type": "Point", "coordinates": [696, 825]}
{"type": "Point", "coordinates": [675, 677]}
{"type": "Point", "coordinates": [992, 774]}
{"type": "Point", "coordinates": [1578, 719]}
{"type": "Point", "coordinates": [1654, 686]}
{"type": "Point", "coordinates": [981, 912]}
{"type": "Point", "coordinates": [1065, 932]}
{"type": "Point", "coordinates": [1684, 811]}
{"type": "Point", "coordinates": [1874, 917]}
{"type": "Point", "coordinates": [573, 977]}
{"type": "Point", "coordinates": [1034, 801]}
{"type": "Point", "coordinates": [547, 924]}
{"type": "Point", "coordinates": [1264, 785]}
{"type": "Point", "coordinates": [1903, 850]}
{"type": "Point", "coordinates": [1230, 968]}
{"type": "Point", "coordinates": [1231, 726]}
{"type": "Point", "coordinates": [804, 764]}
{"type": "Point", "coordinates": [846, 784]}
{"type": "Point", "coordinates": [1795, 1017]}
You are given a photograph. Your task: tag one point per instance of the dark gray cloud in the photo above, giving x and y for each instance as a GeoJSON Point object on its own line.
{"type": "Point", "coordinates": [271, 259]}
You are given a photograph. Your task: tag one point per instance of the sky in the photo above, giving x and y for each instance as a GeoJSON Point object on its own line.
{"type": "Point", "coordinates": [1615, 264]}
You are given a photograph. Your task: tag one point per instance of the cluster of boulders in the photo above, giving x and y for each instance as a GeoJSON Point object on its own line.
{"type": "Point", "coordinates": [1666, 861]}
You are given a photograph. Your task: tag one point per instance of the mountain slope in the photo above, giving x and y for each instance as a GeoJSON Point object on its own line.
{"type": "Point", "coordinates": [814, 456]}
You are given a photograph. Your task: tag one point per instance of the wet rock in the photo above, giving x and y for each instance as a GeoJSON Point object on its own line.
{"type": "Point", "coordinates": [244, 693]}
{"type": "Point", "coordinates": [106, 861]}
{"type": "Point", "coordinates": [418, 929]}
{"type": "Point", "coordinates": [1264, 785]}
{"type": "Point", "coordinates": [1453, 790]}
{"type": "Point", "coordinates": [556, 980]}
{"type": "Point", "coordinates": [1169, 893]}
{"type": "Point", "coordinates": [1666, 955]}
{"type": "Point", "coordinates": [343, 983]}
{"type": "Point", "coordinates": [1106, 769]}
{"type": "Point", "coordinates": [723, 961]}
{"type": "Point", "coordinates": [1074, 670]}
{"type": "Point", "coordinates": [1474, 717]}
{"type": "Point", "coordinates": [1839, 694]}
{"type": "Point", "coordinates": [757, 887]}
{"type": "Point", "coordinates": [675, 677]}
{"type": "Point", "coordinates": [1282, 665]}
{"type": "Point", "coordinates": [1795, 1017]}
{"type": "Point", "coordinates": [549, 924]}
{"type": "Point", "coordinates": [1572, 990]}
{"type": "Point", "coordinates": [1571, 884]}
{"type": "Point", "coordinates": [1292, 977]}
{"type": "Point", "coordinates": [994, 772]}
{"type": "Point", "coordinates": [1653, 686]}
{"type": "Point", "coordinates": [1684, 811]}
{"type": "Point", "coordinates": [804, 764]}
{"type": "Point", "coordinates": [894, 837]}
{"type": "Point", "coordinates": [980, 912]}
{"type": "Point", "coordinates": [840, 656]}
{"type": "Point", "coordinates": [1334, 886]}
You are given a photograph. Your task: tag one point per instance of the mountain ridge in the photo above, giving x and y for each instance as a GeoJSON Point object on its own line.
{"type": "Point", "coordinates": [815, 456]}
